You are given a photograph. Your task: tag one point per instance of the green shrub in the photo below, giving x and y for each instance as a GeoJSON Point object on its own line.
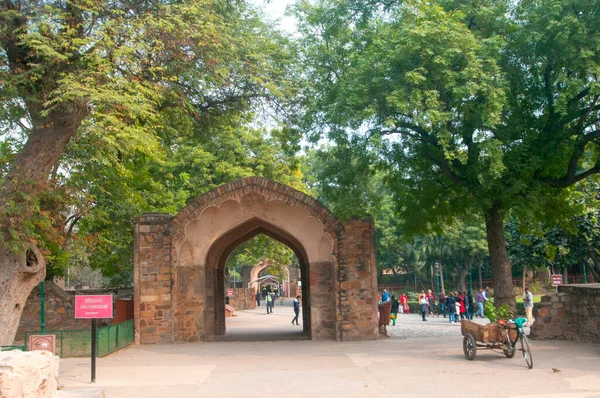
{"type": "Point", "coordinates": [494, 314]}
{"type": "Point", "coordinates": [412, 296]}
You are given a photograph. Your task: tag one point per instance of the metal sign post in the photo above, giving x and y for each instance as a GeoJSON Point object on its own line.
{"type": "Point", "coordinates": [93, 353]}
{"type": "Point", "coordinates": [94, 307]}
{"type": "Point", "coordinates": [42, 308]}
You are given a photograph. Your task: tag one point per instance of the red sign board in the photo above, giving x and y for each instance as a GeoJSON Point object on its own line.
{"type": "Point", "coordinates": [230, 292]}
{"type": "Point", "coordinates": [88, 307]}
{"type": "Point", "coordinates": [556, 279]}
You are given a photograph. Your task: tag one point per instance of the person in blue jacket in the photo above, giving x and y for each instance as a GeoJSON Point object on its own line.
{"type": "Point", "coordinates": [296, 310]}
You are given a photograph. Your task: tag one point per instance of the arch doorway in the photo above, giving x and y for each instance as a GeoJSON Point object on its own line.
{"type": "Point", "coordinates": [179, 263]}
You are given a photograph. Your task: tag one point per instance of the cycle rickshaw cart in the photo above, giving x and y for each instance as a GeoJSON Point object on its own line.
{"type": "Point", "coordinates": [502, 336]}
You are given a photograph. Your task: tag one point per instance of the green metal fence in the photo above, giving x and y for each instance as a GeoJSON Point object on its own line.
{"type": "Point", "coordinates": [114, 337]}
{"type": "Point", "coordinates": [12, 347]}
{"type": "Point", "coordinates": [69, 343]}
{"type": "Point", "coordinates": [77, 343]}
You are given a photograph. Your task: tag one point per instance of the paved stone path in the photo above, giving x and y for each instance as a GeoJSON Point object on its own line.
{"type": "Point", "coordinates": [400, 366]}
{"type": "Point", "coordinates": [410, 326]}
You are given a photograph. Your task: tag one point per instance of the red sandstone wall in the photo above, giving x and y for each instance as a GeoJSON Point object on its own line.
{"type": "Point", "coordinates": [357, 278]}
{"type": "Point", "coordinates": [572, 314]}
{"type": "Point", "coordinates": [152, 280]}
{"type": "Point", "coordinates": [243, 299]}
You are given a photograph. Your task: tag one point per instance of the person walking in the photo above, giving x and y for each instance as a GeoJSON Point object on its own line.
{"type": "Point", "coordinates": [296, 310]}
{"type": "Point", "coordinates": [470, 308]}
{"type": "Point", "coordinates": [487, 294]}
{"type": "Point", "coordinates": [268, 301]}
{"type": "Point", "coordinates": [272, 301]}
{"type": "Point", "coordinates": [257, 298]}
{"type": "Point", "coordinates": [528, 304]}
{"type": "Point", "coordinates": [385, 296]}
{"type": "Point", "coordinates": [404, 303]}
{"type": "Point", "coordinates": [424, 304]}
{"type": "Point", "coordinates": [480, 299]}
{"type": "Point", "coordinates": [451, 307]}
{"type": "Point", "coordinates": [394, 310]}
{"type": "Point", "coordinates": [457, 306]}
{"type": "Point", "coordinates": [430, 302]}
{"type": "Point", "coordinates": [462, 305]}
{"type": "Point", "coordinates": [443, 303]}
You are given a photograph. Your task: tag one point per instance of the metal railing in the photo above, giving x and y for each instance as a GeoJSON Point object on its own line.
{"type": "Point", "coordinates": [77, 343]}
{"type": "Point", "coordinates": [114, 337]}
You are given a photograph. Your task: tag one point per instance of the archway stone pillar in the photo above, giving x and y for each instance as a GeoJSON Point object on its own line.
{"type": "Point", "coordinates": [357, 316]}
{"type": "Point", "coordinates": [152, 279]}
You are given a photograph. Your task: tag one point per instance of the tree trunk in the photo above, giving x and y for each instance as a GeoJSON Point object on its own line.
{"type": "Point", "coordinates": [461, 280]}
{"type": "Point", "coordinates": [24, 267]}
{"type": "Point", "coordinates": [565, 276]}
{"type": "Point", "coordinates": [480, 278]}
{"type": "Point", "coordinates": [524, 281]}
{"type": "Point", "coordinates": [501, 268]}
{"type": "Point", "coordinates": [19, 274]}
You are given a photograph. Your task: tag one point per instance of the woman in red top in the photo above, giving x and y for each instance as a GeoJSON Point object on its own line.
{"type": "Point", "coordinates": [404, 303]}
{"type": "Point", "coordinates": [463, 308]}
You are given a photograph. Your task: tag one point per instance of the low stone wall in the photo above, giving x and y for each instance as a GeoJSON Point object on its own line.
{"type": "Point", "coordinates": [243, 299]}
{"type": "Point", "coordinates": [571, 314]}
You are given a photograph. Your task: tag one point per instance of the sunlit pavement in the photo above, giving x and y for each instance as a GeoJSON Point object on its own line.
{"type": "Point", "coordinates": [394, 367]}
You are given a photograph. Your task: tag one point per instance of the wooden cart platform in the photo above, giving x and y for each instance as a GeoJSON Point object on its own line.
{"type": "Point", "coordinates": [490, 333]}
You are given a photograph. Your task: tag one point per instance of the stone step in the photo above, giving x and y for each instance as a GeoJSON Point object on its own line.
{"type": "Point", "coordinates": [82, 393]}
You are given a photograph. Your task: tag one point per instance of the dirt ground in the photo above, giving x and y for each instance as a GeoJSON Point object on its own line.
{"type": "Point", "coordinates": [420, 359]}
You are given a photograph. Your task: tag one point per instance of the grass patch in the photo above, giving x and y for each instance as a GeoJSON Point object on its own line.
{"type": "Point", "coordinates": [536, 299]}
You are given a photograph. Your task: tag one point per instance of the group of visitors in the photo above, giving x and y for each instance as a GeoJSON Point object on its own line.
{"type": "Point", "coordinates": [459, 304]}
{"type": "Point", "coordinates": [426, 302]}
{"type": "Point", "coordinates": [398, 305]}
{"type": "Point", "coordinates": [456, 305]}
{"type": "Point", "coordinates": [269, 297]}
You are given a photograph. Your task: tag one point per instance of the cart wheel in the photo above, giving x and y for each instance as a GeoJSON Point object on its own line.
{"type": "Point", "coordinates": [469, 346]}
{"type": "Point", "coordinates": [526, 351]}
{"type": "Point", "coordinates": [510, 351]}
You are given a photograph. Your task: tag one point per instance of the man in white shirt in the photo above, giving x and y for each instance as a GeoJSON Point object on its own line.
{"type": "Point", "coordinates": [528, 304]}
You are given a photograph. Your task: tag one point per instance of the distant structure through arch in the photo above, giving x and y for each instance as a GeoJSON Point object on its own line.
{"type": "Point", "coordinates": [250, 274]}
{"type": "Point", "coordinates": [179, 263]}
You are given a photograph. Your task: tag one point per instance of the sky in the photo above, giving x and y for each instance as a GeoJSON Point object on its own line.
{"type": "Point", "coordinates": [275, 10]}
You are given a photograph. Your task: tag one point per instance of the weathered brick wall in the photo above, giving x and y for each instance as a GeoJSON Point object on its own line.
{"type": "Point", "coordinates": [243, 299]}
{"type": "Point", "coordinates": [572, 314]}
{"type": "Point", "coordinates": [152, 279]}
{"type": "Point", "coordinates": [322, 300]}
{"type": "Point", "coordinates": [357, 278]}
{"type": "Point", "coordinates": [294, 277]}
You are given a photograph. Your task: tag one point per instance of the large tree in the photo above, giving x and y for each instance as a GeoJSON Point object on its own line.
{"type": "Point", "coordinates": [486, 106]}
{"type": "Point", "coordinates": [108, 72]}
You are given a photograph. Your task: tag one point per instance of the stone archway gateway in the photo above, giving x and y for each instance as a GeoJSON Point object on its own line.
{"type": "Point", "coordinates": [179, 263]}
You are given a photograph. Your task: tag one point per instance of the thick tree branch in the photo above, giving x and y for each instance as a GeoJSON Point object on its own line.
{"type": "Point", "coordinates": [446, 170]}
{"type": "Point", "coordinates": [571, 179]}
{"type": "Point", "coordinates": [579, 150]}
